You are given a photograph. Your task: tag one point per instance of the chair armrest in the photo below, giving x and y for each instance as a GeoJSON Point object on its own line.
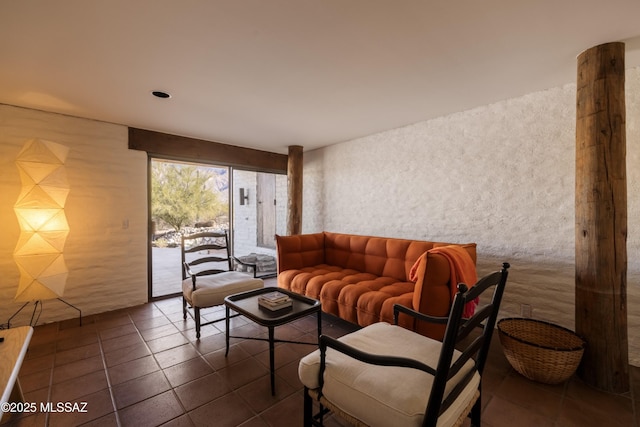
{"type": "Point", "coordinates": [187, 270]}
{"type": "Point", "coordinates": [397, 308]}
{"type": "Point", "coordinates": [373, 359]}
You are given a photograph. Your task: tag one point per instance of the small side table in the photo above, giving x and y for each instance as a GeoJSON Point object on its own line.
{"type": "Point", "coordinates": [246, 304]}
{"type": "Point", "coordinates": [12, 352]}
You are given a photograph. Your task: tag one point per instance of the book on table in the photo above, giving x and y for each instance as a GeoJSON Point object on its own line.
{"type": "Point", "coordinates": [274, 301]}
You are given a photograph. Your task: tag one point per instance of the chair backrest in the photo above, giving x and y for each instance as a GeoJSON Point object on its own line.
{"type": "Point", "coordinates": [205, 253]}
{"type": "Point", "coordinates": [461, 334]}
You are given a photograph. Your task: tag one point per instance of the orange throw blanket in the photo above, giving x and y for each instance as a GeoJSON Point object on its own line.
{"type": "Point", "coordinates": [463, 270]}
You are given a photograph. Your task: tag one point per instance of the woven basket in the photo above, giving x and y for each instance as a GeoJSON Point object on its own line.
{"type": "Point", "coordinates": [540, 351]}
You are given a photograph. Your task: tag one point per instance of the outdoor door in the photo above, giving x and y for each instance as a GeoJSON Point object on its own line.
{"type": "Point", "coordinates": [266, 218]}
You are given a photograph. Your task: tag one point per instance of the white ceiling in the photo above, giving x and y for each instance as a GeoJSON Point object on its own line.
{"type": "Point", "coordinates": [272, 73]}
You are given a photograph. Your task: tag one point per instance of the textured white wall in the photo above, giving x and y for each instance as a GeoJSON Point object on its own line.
{"type": "Point", "coordinates": [501, 175]}
{"type": "Point", "coordinates": [106, 250]}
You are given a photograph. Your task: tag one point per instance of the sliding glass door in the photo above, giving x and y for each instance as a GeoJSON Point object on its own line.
{"type": "Point", "coordinates": [185, 198]}
{"type": "Point", "coordinates": [191, 197]}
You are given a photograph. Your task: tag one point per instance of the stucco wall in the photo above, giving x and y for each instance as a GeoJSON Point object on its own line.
{"type": "Point", "coordinates": [106, 250]}
{"type": "Point", "coordinates": [501, 175]}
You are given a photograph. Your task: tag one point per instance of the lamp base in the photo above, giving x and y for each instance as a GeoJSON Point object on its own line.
{"type": "Point", "coordinates": [38, 304]}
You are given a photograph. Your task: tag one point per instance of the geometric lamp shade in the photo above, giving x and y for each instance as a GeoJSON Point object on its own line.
{"type": "Point", "coordinates": [43, 224]}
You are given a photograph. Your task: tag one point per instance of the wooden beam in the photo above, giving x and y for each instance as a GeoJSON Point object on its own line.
{"type": "Point", "coordinates": [197, 150]}
{"type": "Point", "coordinates": [294, 179]}
{"type": "Point", "coordinates": [601, 217]}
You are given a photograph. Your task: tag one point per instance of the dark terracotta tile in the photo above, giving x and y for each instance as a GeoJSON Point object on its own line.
{"type": "Point", "coordinates": [28, 418]}
{"type": "Point", "coordinates": [75, 342]}
{"type": "Point", "coordinates": [39, 350]}
{"type": "Point", "coordinates": [139, 389]}
{"type": "Point", "coordinates": [167, 342]}
{"type": "Point", "coordinates": [118, 331]}
{"type": "Point", "coordinates": [35, 364]}
{"type": "Point", "coordinates": [634, 375]}
{"type": "Point", "coordinates": [133, 369]}
{"type": "Point", "coordinates": [188, 329]}
{"type": "Point", "coordinates": [306, 324]}
{"type": "Point", "coordinates": [579, 413]}
{"type": "Point", "coordinates": [78, 353]}
{"type": "Point", "coordinates": [71, 328]}
{"type": "Point", "coordinates": [529, 395]}
{"type": "Point", "coordinates": [38, 419]}
{"type": "Point", "coordinates": [126, 354]}
{"type": "Point", "coordinates": [252, 347]}
{"type": "Point", "coordinates": [283, 354]}
{"type": "Point", "coordinates": [286, 412]}
{"type": "Point", "coordinates": [181, 421]}
{"type": "Point", "coordinates": [207, 344]}
{"type": "Point", "coordinates": [121, 342]}
{"type": "Point", "coordinates": [70, 390]}
{"type": "Point", "coordinates": [289, 373]}
{"type": "Point", "coordinates": [36, 380]}
{"type": "Point", "coordinates": [502, 413]}
{"type": "Point", "coordinates": [187, 371]}
{"type": "Point", "coordinates": [112, 319]}
{"type": "Point", "coordinates": [37, 396]}
{"type": "Point", "coordinates": [158, 332]}
{"type": "Point", "coordinates": [152, 322]}
{"type": "Point", "coordinates": [203, 377]}
{"type": "Point", "coordinates": [243, 373]}
{"type": "Point", "coordinates": [600, 405]}
{"type": "Point", "coordinates": [97, 405]}
{"type": "Point", "coordinates": [258, 422]}
{"type": "Point", "coordinates": [43, 334]}
{"type": "Point", "coordinates": [108, 420]}
{"type": "Point", "coordinates": [228, 411]}
{"type": "Point", "coordinates": [258, 396]}
{"type": "Point", "coordinates": [77, 369]}
{"type": "Point", "coordinates": [152, 412]}
{"type": "Point", "coordinates": [290, 333]}
{"type": "Point", "coordinates": [219, 360]}
{"type": "Point", "coordinates": [198, 392]}
{"type": "Point", "coordinates": [176, 355]}
{"type": "Point", "coordinates": [144, 312]}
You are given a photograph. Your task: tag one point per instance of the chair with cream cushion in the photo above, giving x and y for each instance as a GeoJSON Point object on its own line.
{"type": "Point", "coordinates": [386, 375]}
{"type": "Point", "coordinates": [208, 276]}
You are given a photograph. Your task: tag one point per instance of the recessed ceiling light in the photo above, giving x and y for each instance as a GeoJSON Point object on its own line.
{"type": "Point", "coordinates": [160, 94]}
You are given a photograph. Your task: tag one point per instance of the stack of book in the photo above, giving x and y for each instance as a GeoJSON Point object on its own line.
{"type": "Point", "coordinates": [274, 301]}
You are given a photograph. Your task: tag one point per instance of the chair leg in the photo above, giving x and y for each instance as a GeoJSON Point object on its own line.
{"type": "Point", "coordinates": [196, 312]}
{"type": "Point", "coordinates": [308, 409]}
{"type": "Point", "coordinates": [476, 412]}
{"type": "Point", "coordinates": [184, 308]}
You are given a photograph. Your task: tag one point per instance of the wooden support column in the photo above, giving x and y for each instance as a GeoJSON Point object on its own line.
{"type": "Point", "coordinates": [294, 180]}
{"type": "Point", "coordinates": [601, 218]}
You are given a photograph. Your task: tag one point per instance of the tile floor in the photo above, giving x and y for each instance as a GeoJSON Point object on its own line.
{"type": "Point", "coordinates": [142, 366]}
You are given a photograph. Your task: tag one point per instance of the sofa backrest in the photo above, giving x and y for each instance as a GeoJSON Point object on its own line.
{"type": "Point", "coordinates": [382, 256]}
{"type": "Point", "coordinates": [300, 250]}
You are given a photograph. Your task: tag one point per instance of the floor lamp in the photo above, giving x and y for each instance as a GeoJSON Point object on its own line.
{"type": "Point", "coordinates": [43, 225]}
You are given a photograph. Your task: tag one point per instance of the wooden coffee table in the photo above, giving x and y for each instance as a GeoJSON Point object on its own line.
{"type": "Point", "coordinates": [246, 304]}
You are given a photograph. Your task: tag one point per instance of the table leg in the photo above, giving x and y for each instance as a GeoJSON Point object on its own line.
{"type": "Point", "coordinates": [319, 325]}
{"type": "Point", "coordinates": [271, 362]}
{"type": "Point", "coordinates": [226, 323]}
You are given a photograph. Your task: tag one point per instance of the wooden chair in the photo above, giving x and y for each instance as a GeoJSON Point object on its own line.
{"type": "Point", "coordinates": [385, 375]}
{"type": "Point", "coordinates": [208, 276]}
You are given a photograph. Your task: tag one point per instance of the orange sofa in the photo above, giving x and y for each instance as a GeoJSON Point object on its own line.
{"type": "Point", "coordinates": [360, 278]}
